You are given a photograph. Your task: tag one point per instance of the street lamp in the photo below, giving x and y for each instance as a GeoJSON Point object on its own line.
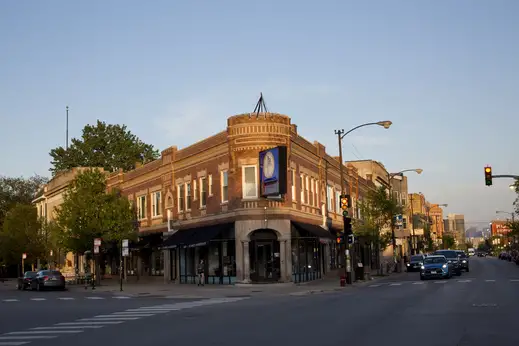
{"type": "Point", "coordinates": [512, 187]}
{"type": "Point", "coordinates": [390, 176]}
{"type": "Point", "coordinates": [340, 135]}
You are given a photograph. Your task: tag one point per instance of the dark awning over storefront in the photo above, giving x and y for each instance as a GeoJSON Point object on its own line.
{"type": "Point", "coordinates": [317, 231]}
{"type": "Point", "coordinates": [192, 237]}
{"type": "Point", "coordinates": [147, 242]}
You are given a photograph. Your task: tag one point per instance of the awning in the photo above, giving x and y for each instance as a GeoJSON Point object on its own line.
{"type": "Point", "coordinates": [193, 237]}
{"type": "Point", "coordinates": [147, 242]}
{"type": "Point", "coordinates": [318, 231]}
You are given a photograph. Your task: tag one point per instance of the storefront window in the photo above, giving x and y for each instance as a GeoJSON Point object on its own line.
{"type": "Point", "coordinates": [157, 263]}
{"type": "Point", "coordinates": [306, 259]}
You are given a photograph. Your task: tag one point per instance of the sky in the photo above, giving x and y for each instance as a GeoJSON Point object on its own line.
{"type": "Point", "coordinates": [444, 72]}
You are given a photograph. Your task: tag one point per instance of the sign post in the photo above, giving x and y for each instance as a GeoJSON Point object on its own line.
{"type": "Point", "coordinates": [124, 253]}
{"type": "Point", "coordinates": [24, 256]}
{"type": "Point", "coordinates": [97, 244]}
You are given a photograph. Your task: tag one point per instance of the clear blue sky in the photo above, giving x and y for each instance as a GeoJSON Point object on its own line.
{"type": "Point", "coordinates": [445, 73]}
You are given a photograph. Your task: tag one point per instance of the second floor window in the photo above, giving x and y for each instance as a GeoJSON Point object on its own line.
{"type": "Point", "coordinates": [203, 192]}
{"type": "Point", "coordinates": [225, 186]}
{"type": "Point", "coordinates": [249, 182]}
{"type": "Point", "coordinates": [141, 207]}
{"type": "Point", "coordinates": [188, 196]}
{"type": "Point", "coordinates": [156, 205]}
{"type": "Point", "coordinates": [294, 198]}
{"type": "Point", "coordinates": [330, 198]}
{"type": "Point", "coordinates": [181, 192]}
{"type": "Point", "coordinates": [210, 184]}
{"type": "Point", "coordinates": [302, 187]}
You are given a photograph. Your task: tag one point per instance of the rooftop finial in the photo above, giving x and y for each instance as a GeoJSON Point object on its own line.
{"type": "Point", "coordinates": [261, 107]}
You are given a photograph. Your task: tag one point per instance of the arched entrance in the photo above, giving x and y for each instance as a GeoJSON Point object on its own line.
{"type": "Point", "coordinates": [264, 256]}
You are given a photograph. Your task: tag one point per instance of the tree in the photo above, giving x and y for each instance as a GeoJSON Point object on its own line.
{"type": "Point", "coordinates": [377, 210]}
{"type": "Point", "coordinates": [18, 190]}
{"type": "Point", "coordinates": [103, 145]}
{"type": "Point", "coordinates": [89, 212]}
{"type": "Point", "coordinates": [448, 241]}
{"type": "Point", "coordinates": [21, 233]}
{"type": "Point", "coordinates": [516, 203]}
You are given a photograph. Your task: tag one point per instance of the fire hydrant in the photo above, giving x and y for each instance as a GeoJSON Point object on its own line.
{"type": "Point", "coordinates": [343, 281]}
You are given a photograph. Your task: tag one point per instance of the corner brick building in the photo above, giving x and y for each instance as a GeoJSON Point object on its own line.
{"type": "Point", "coordinates": [203, 202]}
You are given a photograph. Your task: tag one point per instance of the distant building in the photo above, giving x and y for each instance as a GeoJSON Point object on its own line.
{"type": "Point", "coordinates": [454, 225]}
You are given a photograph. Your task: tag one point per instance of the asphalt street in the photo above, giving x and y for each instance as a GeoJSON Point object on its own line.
{"type": "Point", "coordinates": [478, 308]}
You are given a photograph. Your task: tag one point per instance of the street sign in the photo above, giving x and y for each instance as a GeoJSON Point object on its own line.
{"type": "Point", "coordinates": [24, 256]}
{"type": "Point", "coordinates": [125, 243]}
{"type": "Point", "coordinates": [97, 242]}
{"type": "Point", "coordinates": [126, 252]}
{"type": "Point", "coordinates": [96, 249]}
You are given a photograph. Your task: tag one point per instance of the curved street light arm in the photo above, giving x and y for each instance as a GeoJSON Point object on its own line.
{"type": "Point", "coordinates": [380, 123]}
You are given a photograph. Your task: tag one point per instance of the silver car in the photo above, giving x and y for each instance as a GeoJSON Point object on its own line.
{"type": "Point", "coordinates": [48, 279]}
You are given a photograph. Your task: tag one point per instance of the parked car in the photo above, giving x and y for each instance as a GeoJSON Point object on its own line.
{"type": "Point", "coordinates": [48, 279]}
{"type": "Point", "coordinates": [452, 259]}
{"type": "Point", "coordinates": [464, 260]}
{"type": "Point", "coordinates": [24, 282]}
{"type": "Point", "coordinates": [415, 262]}
{"type": "Point", "coordinates": [435, 266]}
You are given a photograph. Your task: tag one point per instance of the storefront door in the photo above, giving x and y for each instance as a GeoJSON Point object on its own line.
{"type": "Point", "coordinates": [264, 257]}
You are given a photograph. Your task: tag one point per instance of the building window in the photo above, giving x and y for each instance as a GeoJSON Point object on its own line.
{"type": "Point", "coordinates": [294, 185]}
{"type": "Point", "coordinates": [210, 183]}
{"type": "Point", "coordinates": [337, 201]}
{"type": "Point", "coordinates": [307, 190]}
{"type": "Point", "coordinates": [188, 196]}
{"type": "Point", "coordinates": [224, 176]}
{"type": "Point", "coordinates": [330, 198]}
{"type": "Point", "coordinates": [195, 191]}
{"type": "Point", "coordinates": [249, 182]}
{"type": "Point", "coordinates": [317, 193]}
{"type": "Point", "coordinates": [180, 195]}
{"type": "Point", "coordinates": [156, 205]}
{"type": "Point", "coordinates": [203, 193]}
{"type": "Point", "coordinates": [141, 207]}
{"type": "Point", "coordinates": [302, 187]}
{"type": "Point", "coordinates": [312, 194]}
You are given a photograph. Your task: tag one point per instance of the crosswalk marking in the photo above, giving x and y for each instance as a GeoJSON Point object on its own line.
{"type": "Point", "coordinates": [395, 284]}
{"type": "Point", "coordinates": [45, 332]}
{"type": "Point", "coordinates": [84, 322]}
{"type": "Point", "coordinates": [374, 285]}
{"type": "Point", "coordinates": [38, 299]}
{"type": "Point", "coordinates": [464, 281]}
{"type": "Point", "coordinates": [13, 343]}
{"type": "Point", "coordinates": [66, 298]}
{"type": "Point", "coordinates": [66, 327]}
{"type": "Point", "coordinates": [514, 280]}
{"type": "Point", "coordinates": [10, 300]}
{"type": "Point", "coordinates": [121, 297]}
{"type": "Point", "coordinates": [440, 282]}
{"type": "Point", "coordinates": [418, 283]}
{"type": "Point", "coordinates": [28, 337]}
{"type": "Point", "coordinates": [490, 280]}
{"type": "Point", "coordinates": [94, 298]}
{"type": "Point", "coordinates": [111, 318]}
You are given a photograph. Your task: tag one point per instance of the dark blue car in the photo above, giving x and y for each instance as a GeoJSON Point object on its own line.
{"type": "Point", "coordinates": [435, 266]}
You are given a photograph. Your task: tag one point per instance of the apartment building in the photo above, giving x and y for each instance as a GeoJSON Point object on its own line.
{"type": "Point", "coordinates": [455, 226]}
{"type": "Point", "coordinates": [204, 202]}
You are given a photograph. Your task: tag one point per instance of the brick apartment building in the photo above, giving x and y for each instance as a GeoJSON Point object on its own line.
{"type": "Point", "coordinates": [203, 202]}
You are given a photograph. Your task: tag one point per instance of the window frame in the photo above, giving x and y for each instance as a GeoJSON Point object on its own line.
{"type": "Point", "coordinates": [141, 210]}
{"type": "Point", "coordinates": [209, 185]}
{"type": "Point", "coordinates": [156, 210]}
{"type": "Point", "coordinates": [181, 199]}
{"type": "Point", "coordinates": [202, 191]}
{"type": "Point", "coordinates": [224, 199]}
{"type": "Point", "coordinates": [188, 195]}
{"type": "Point", "coordinates": [243, 182]}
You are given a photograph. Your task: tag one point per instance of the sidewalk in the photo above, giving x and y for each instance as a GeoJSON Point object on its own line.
{"type": "Point", "coordinates": [189, 291]}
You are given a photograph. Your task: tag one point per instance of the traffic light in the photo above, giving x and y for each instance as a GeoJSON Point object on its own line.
{"type": "Point", "coordinates": [347, 225]}
{"type": "Point", "coordinates": [345, 204]}
{"type": "Point", "coordinates": [488, 176]}
{"type": "Point", "coordinates": [340, 238]}
{"type": "Point", "coordinates": [351, 238]}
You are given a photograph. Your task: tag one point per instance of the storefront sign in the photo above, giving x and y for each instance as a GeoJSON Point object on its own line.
{"type": "Point", "coordinates": [273, 171]}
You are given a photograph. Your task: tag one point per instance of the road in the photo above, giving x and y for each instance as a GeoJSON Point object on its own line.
{"type": "Point", "coordinates": [478, 308]}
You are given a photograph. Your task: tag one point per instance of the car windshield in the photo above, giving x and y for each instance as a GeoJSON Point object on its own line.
{"type": "Point", "coordinates": [50, 272]}
{"type": "Point", "coordinates": [433, 260]}
{"type": "Point", "coordinates": [416, 258]}
{"type": "Point", "coordinates": [462, 254]}
{"type": "Point", "coordinates": [448, 254]}
{"type": "Point", "coordinates": [30, 274]}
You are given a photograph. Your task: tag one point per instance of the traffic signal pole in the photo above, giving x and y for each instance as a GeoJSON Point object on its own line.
{"type": "Point", "coordinates": [347, 255]}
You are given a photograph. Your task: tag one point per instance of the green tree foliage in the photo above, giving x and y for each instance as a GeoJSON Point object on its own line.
{"type": "Point", "coordinates": [21, 233]}
{"type": "Point", "coordinates": [89, 212]}
{"type": "Point", "coordinates": [103, 145]}
{"type": "Point", "coordinates": [377, 210]}
{"type": "Point", "coordinates": [18, 190]}
{"type": "Point", "coordinates": [516, 203]}
{"type": "Point", "coordinates": [448, 241]}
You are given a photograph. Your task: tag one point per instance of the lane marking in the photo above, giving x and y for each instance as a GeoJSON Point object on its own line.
{"type": "Point", "coordinates": [490, 280]}
{"type": "Point", "coordinates": [38, 299]}
{"type": "Point", "coordinates": [111, 318]}
{"type": "Point", "coordinates": [10, 300]}
{"type": "Point", "coordinates": [464, 281]}
{"type": "Point", "coordinates": [374, 285]}
{"type": "Point", "coordinates": [66, 298]}
{"type": "Point", "coordinates": [94, 298]}
{"type": "Point", "coordinates": [66, 327]}
{"type": "Point", "coordinates": [121, 297]}
{"type": "Point", "coordinates": [418, 283]}
{"type": "Point", "coordinates": [47, 332]}
{"type": "Point", "coordinates": [13, 343]}
{"type": "Point", "coordinates": [395, 284]}
{"type": "Point", "coordinates": [130, 314]}
{"type": "Point", "coordinates": [440, 282]}
{"type": "Point", "coordinates": [92, 323]}
{"type": "Point", "coordinates": [514, 280]}
{"type": "Point", "coordinates": [28, 337]}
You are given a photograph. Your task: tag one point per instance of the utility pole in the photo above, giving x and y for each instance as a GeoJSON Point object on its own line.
{"type": "Point", "coordinates": [413, 252]}
{"type": "Point", "coordinates": [67, 131]}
